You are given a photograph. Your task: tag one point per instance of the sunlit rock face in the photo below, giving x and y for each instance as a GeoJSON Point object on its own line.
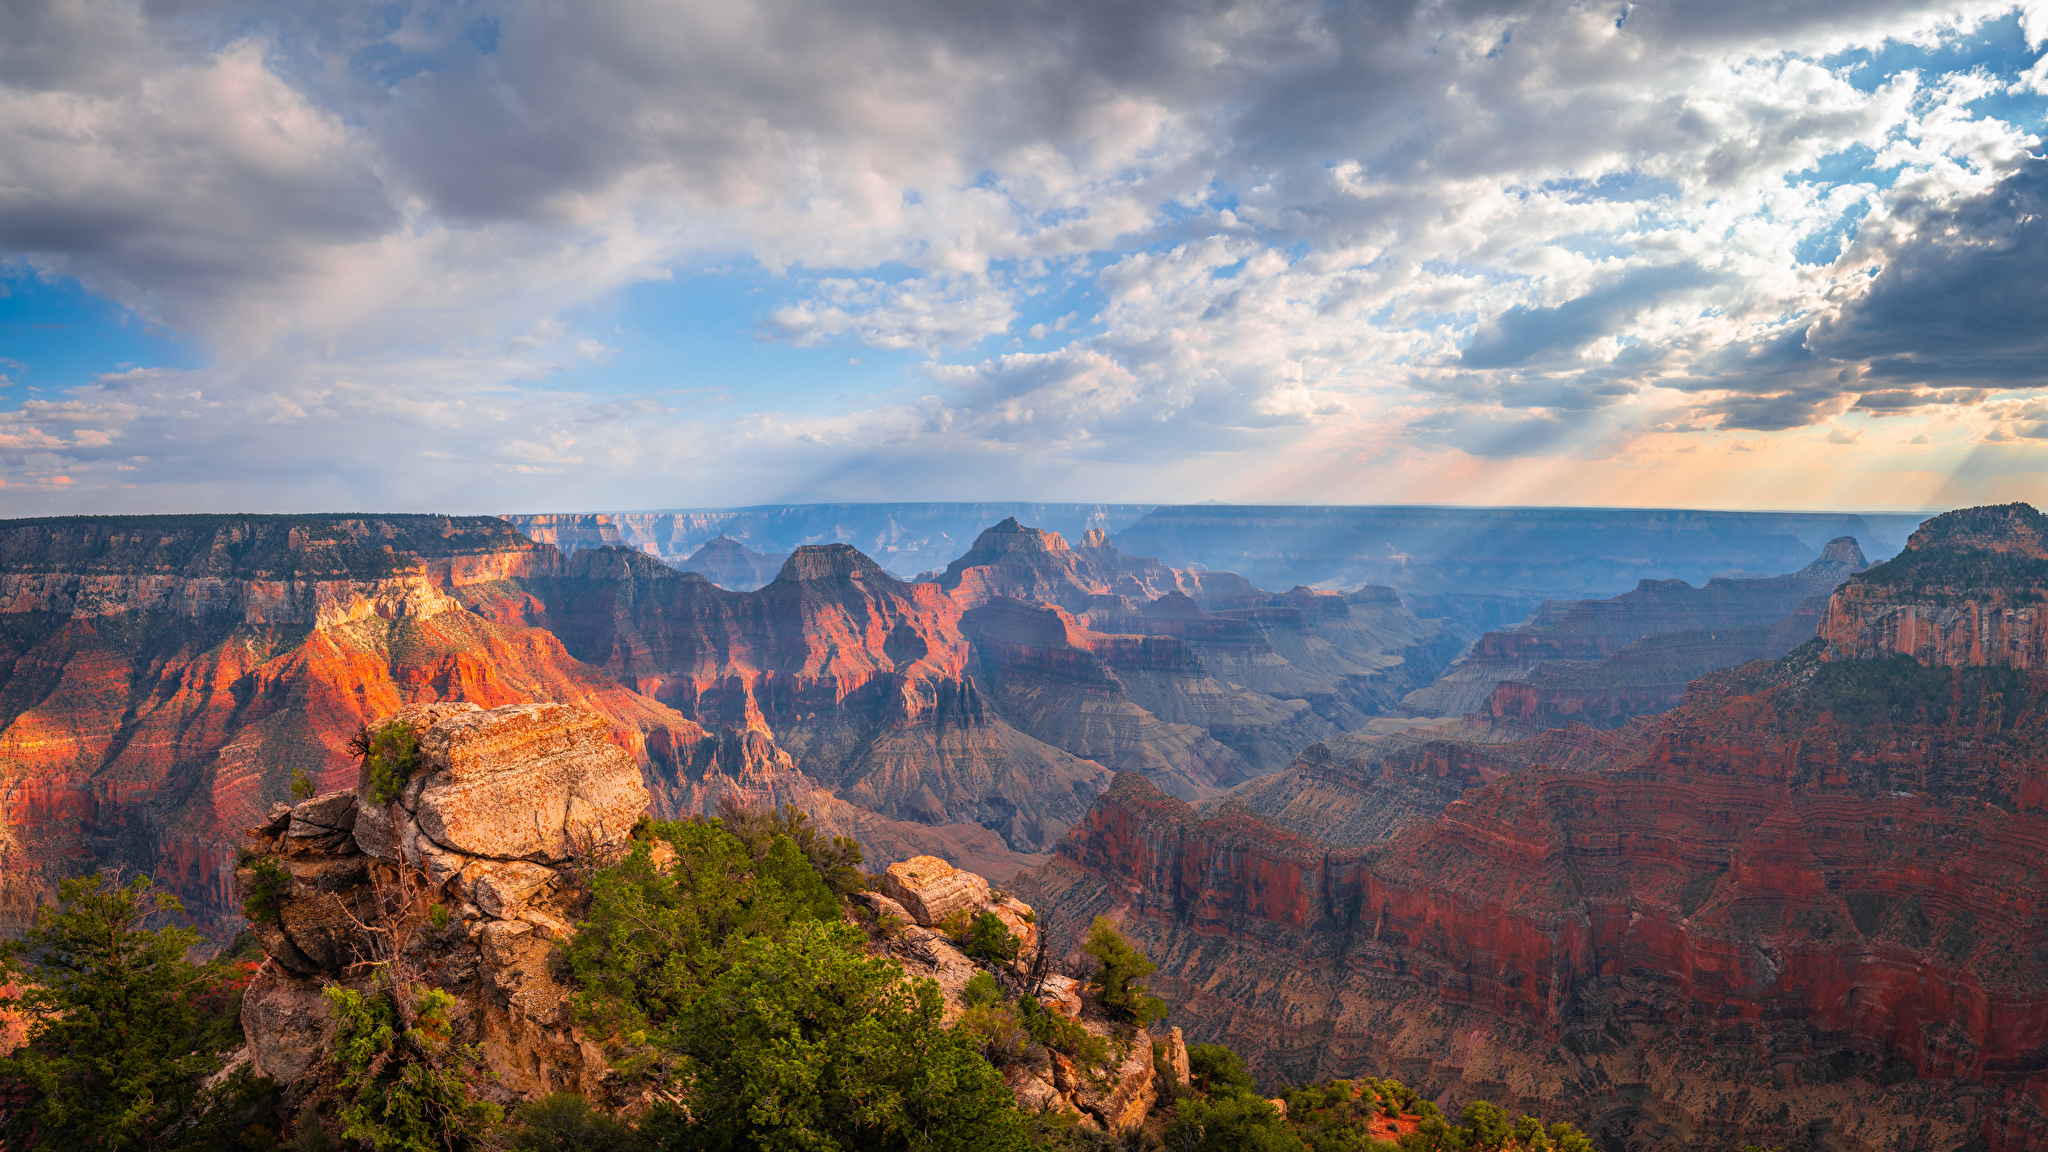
{"type": "Point", "coordinates": [467, 883]}
{"type": "Point", "coordinates": [1806, 899]}
{"type": "Point", "coordinates": [163, 677]}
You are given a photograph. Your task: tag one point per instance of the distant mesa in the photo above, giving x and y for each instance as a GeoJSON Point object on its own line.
{"type": "Point", "coordinates": [732, 565]}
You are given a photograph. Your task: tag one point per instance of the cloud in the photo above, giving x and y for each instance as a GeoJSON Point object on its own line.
{"type": "Point", "coordinates": [1278, 233]}
{"type": "Point", "coordinates": [1960, 300]}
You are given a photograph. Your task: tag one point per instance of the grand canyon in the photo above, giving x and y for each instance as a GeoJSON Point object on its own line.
{"type": "Point", "coordinates": [1726, 833]}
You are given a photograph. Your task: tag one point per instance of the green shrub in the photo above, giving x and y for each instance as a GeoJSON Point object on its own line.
{"type": "Point", "coordinates": [981, 989]}
{"type": "Point", "coordinates": [1240, 1123]}
{"type": "Point", "coordinates": [1062, 1035]}
{"type": "Point", "coordinates": [654, 936]}
{"type": "Point", "coordinates": [1217, 1070]}
{"type": "Point", "coordinates": [390, 756]}
{"type": "Point", "coordinates": [270, 886]}
{"type": "Point", "coordinates": [565, 1122]}
{"type": "Point", "coordinates": [989, 940]}
{"type": "Point", "coordinates": [837, 859]}
{"type": "Point", "coordinates": [1001, 1035]}
{"type": "Point", "coordinates": [404, 1089]}
{"type": "Point", "coordinates": [301, 784]}
{"type": "Point", "coordinates": [1120, 969]}
{"type": "Point", "coordinates": [806, 1042]}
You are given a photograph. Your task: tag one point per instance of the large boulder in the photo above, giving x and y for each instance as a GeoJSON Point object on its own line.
{"type": "Point", "coordinates": [537, 782]}
{"type": "Point", "coordinates": [931, 889]}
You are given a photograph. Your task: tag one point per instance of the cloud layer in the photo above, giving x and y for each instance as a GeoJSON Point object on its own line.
{"type": "Point", "coordinates": [1727, 254]}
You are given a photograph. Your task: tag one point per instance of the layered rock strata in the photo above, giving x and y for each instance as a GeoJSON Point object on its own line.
{"type": "Point", "coordinates": [1603, 661]}
{"type": "Point", "coordinates": [1801, 907]}
{"type": "Point", "coordinates": [506, 807]}
{"type": "Point", "coordinates": [161, 678]}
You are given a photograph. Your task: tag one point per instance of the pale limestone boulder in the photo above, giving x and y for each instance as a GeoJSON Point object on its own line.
{"type": "Point", "coordinates": [931, 889]}
{"type": "Point", "coordinates": [1121, 1101]}
{"type": "Point", "coordinates": [537, 782]}
{"type": "Point", "coordinates": [500, 888]}
{"type": "Point", "coordinates": [378, 827]}
{"type": "Point", "coordinates": [1062, 994]}
{"type": "Point", "coordinates": [515, 956]}
{"type": "Point", "coordinates": [1177, 1057]}
{"type": "Point", "coordinates": [326, 823]}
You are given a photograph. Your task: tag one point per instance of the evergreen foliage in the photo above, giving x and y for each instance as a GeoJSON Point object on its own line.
{"type": "Point", "coordinates": [123, 1027]}
{"type": "Point", "coordinates": [405, 1086]}
{"type": "Point", "coordinates": [654, 936]}
{"type": "Point", "coordinates": [565, 1122]}
{"type": "Point", "coordinates": [990, 941]}
{"type": "Point", "coordinates": [1212, 1068]}
{"type": "Point", "coordinates": [731, 968]}
{"type": "Point", "coordinates": [837, 859]}
{"type": "Point", "coordinates": [1121, 968]}
{"type": "Point", "coordinates": [267, 890]}
{"type": "Point", "coordinates": [804, 1042]}
{"type": "Point", "coordinates": [390, 756]}
{"type": "Point", "coordinates": [981, 990]}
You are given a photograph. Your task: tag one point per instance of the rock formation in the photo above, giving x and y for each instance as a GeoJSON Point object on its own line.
{"type": "Point", "coordinates": [506, 807]}
{"type": "Point", "coordinates": [1802, 906]}
{"type": "Point", "coordinates": [161, 678]}
{"type": "Point", "coordinates": [919, 896]}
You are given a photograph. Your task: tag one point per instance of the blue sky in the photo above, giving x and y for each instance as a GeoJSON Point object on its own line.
{"type": "Point", "coordinates": [634, 253]}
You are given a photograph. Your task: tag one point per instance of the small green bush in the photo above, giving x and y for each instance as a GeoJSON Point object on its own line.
{"type": "Point", "coordinates": [989, 940]}
{"type": "Point", "coordinates": [390, 755]}
{"type": "Point", "coordinates": [565, 1122]}
{"type": "Point", "coordinates": [1121, 968]}
{"type": "Point", "coordinates": [981, 989]}
{"type": "Point", "coordinates": [301, 784]}
{"type": "Point", "coordinates": [1062, 1035]}
{"type": "Point", "coordinates": [1001, 1035]}
{"type": "Point", "coordinates": [269, 888]}
{"type": "Point", "coordinates": [405, 1089]}
{"type": "Point", "coordinates": [1216, 1070]}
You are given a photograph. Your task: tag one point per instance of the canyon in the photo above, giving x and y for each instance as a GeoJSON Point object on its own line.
{"type": "Point", "coordinates": [163, 678]}
{"type": "Point", "coordinates": [1802, 908]}
{"type": "Point", "coordinates": [1601, 662]}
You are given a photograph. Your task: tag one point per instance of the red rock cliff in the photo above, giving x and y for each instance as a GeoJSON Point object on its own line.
{"type": "Point", "coordinates": [1806, 902]}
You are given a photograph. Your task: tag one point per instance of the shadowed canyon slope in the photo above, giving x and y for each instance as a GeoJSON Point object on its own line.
{"type": "Point", "coordinates": [1803, 908]}
{"type": "Point", "coordinates": [1601, 662]}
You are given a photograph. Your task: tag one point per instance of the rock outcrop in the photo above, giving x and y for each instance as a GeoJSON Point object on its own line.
{"type": "Point", "coordinates": [1803, 902]}
{"type": "Point", "coordinates": [1968, 591]}
{"type": "Point", "coordinates": [732, 565]}
{"type": "Point", "coordinates": [161, 678]}
{"type": "Point", "coordinates": [503, 807]}
{"type": "Point", "coordinates": [920, 896]}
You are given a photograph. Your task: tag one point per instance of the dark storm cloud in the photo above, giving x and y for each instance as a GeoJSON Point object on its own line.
{"type": "Point", "coordinates": [1964, 300]}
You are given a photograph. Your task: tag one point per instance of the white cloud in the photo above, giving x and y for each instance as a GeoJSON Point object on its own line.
{"type": "Point", "coordinates": [1376, 236]}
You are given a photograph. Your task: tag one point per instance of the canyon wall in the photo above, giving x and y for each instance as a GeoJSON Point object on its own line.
{"type": "Point", "coordinates": [1802, 909]}
{"type": "Point", "coordinates": [1603, 661]}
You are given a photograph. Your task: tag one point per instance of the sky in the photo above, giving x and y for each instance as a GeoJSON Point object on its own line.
{"type": "Point", "coordinates": [614, 254]}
